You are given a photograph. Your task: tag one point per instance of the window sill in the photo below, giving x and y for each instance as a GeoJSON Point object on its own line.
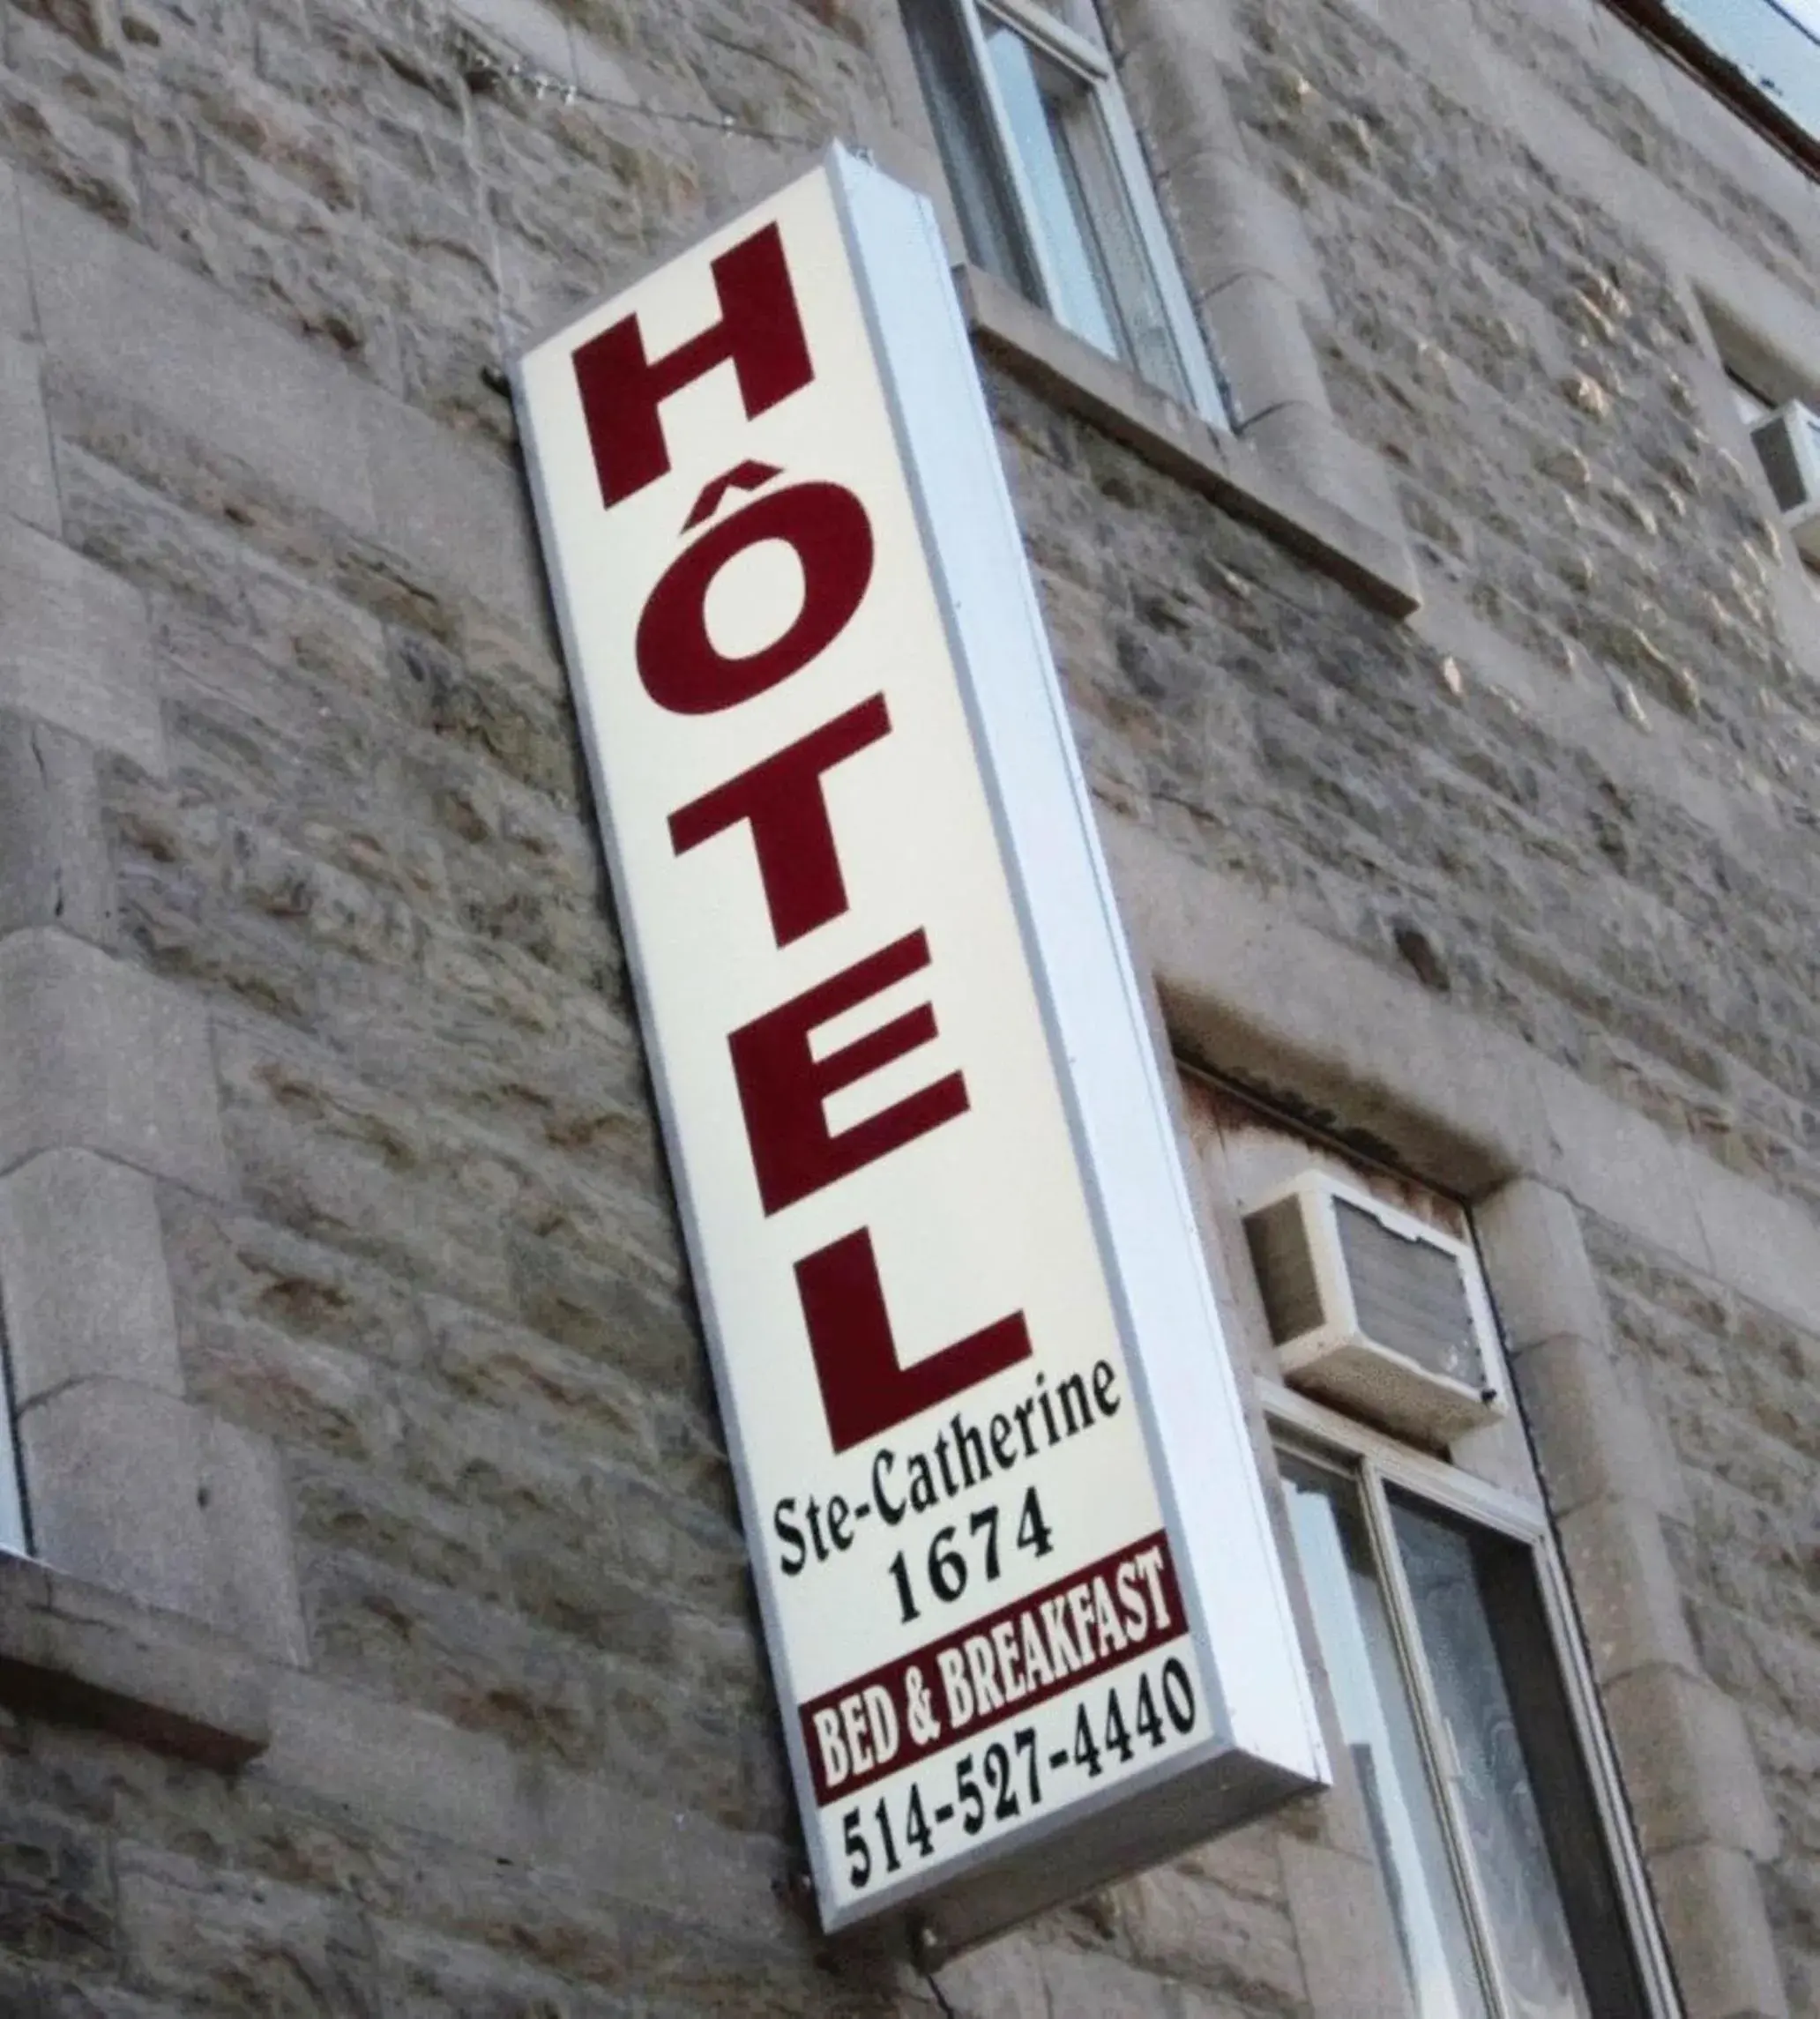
{"type": "Point", "coordinates": [1039, 350]}
{"type": "Point", "coordinates": [74, 1653]}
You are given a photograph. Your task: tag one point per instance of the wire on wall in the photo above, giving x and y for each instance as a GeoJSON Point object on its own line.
{"type": "Point", "coordinates": [484, 69]}
{"type": "Point", "coordinates": [941, 1996]}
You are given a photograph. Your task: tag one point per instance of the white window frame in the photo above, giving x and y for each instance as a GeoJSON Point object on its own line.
{"type": "Point", "coordinates": [1377, 1461]}
{"type": "Point", "coordinates": [15, 1530]}
{"type": "Point", "coordinates": [1086, 56]}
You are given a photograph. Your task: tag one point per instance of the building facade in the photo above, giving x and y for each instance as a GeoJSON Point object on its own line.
{"type": "Point", "coordinates": [1375, 382]}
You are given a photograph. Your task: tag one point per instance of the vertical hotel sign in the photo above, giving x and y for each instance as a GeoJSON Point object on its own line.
{"type": "Point", "coordinates": [1022, 1606]}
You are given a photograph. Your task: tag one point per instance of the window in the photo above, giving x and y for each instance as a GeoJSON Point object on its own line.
{"type": "Point", "coordinates": [1049, 183]}
{"type": "Point", "coordinates": [1434, 1631]}
{"type": "Point", "coordinates": [1763, 56]}
{"type": "Point", "coordinates": [1774, 43]}
{"type": "Point", "coordinates": [1439, 1609]}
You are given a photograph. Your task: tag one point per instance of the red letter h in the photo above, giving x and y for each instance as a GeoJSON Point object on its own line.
{"type": "Point", "coordinates": [759, 333]}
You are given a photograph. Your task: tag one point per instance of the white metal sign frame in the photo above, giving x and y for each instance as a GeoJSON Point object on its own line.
{"type": "Point", "coordinates": [959, 1683]}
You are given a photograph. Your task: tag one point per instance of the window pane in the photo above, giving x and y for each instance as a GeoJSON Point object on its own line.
{"type": "Point", "coordinates": [1352, 1621]}
{"type": "Point", "coordinates": [1061, 220]}
{"type": "Point", "coordinates": [1536, 1842]}
{"type": "Point", "coordinates": [1108, 293]}
{"type": "Point", "coordinates": [964, 132]}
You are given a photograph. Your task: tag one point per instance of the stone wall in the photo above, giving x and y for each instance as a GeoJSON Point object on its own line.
{"type": "Point", "coordinates": [289, 778]}
{"type": "Point", "coordinates": [1733, 1383]}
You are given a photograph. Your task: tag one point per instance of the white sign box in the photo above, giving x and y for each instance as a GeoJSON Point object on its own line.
{"type": "Point", "coordinates": [1023, 1609]}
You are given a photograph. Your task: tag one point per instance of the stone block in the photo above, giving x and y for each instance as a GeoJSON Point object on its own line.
{"type": "Point", "coordinates": [1618, 1164]}
{"type": "Point", "coordinates": [1171, 55]}
{"type": "Point", "coordinates": [111, 1473]}
{"type": "Point", "coordinates": [243, 1270]}
{"type": "Point", "coordinates": [25, 438]}
{"type": "Point", "coordinates": [1082, 1984]}
{"type": "Point", "coordinates": [1000, 1979]}
{"type": "Point", "coordinates": [525, 28]}
{"type": "Point", "coordinates": [100, 1056]}
{"type": "Point", "coordinates": [598, 68]}
{"type": "Point", "coordinates": [1186, 1927]}
{"type": "Point", "coordinates": [246, 1513]}
{"type": "Point", "coordinates": [1175, 122]}
{"type": "Point", "coordinates": [1711, 1901]}
{"type": "Point", "coordinates": [1191, 2002]}
{"type": "Point", "coordinates": [661, 1853]}
{"type": "Point", "coordinates": [1594, 1437]}
{"type": "Point", "coordinates": [83, 1282]}
{"type": "Point", "coordinates": [462, 516]}
{"type": "Point", "coordinates": [1536, 1264]}
{"type": "Point", "coordinates": [1343, 1933]}
{"type": "Point", "coordinates": [75, 648]}
{"type": "Point", "coordinates": [72, 1652]}
{"type": "Point", "coordinates": [1688, 107]}
{"type": "Point", "coordinates": [1254, 323]}
{"type": "Point", "coordinates": [210, 1939]}
{"type": "Point", "coordinates": [53, 867]}
{"type": "Point", "coordinates": [1301, 437]}
{"type": "Point", "coordinates": [1763, 1246]}
{"type": "Point", "coordinates": [481, 1666]}
{"type": "Point", "coordinates": [119, 313]}
{"type": "Point", "coordinates": [1246, 985]}
{"type": "Point", "coordinates": [908, 155]}
{"type": "Point", "coordinates": [1081, 380]}
{"type": "Point", "coordinates": [18, 318]}
{"type": "Point", "coordinates": [1232, 221]}
{"type": "Point", "coordinates": [1687, 1762]}
{"type": "Point", "coordinates": [400, 1766]}
{"type": "Point", "coordinates": [418, 1972]}
{"type": "Point", "coordinates": [1075, 374]}
{"type": "Point", "coordinates": [1624, 1583]}
{"type": "Point", "coordinates": [405, 1766]}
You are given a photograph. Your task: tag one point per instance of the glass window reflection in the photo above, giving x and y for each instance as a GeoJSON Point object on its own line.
{"type": "Point", "coordinates": [1451, 1702]}
{"type": "Point", "coordinates": [1358, 1647]}
{"type": "Point", "coordinates": [965, 136]}
{"type": "Point", "coordinates": [1108, 293]}
{"type": "Point", "coordinates": [1523, 1797]}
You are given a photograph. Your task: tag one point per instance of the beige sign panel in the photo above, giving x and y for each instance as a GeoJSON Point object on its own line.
{"type": "Point", "coordinates": [1023, 1607]}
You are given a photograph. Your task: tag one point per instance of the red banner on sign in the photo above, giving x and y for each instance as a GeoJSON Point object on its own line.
{"type": "Point", "coordinates": [1104, 1615]}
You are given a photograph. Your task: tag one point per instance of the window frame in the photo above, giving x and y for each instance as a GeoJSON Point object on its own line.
{"type": "Point", "coordinates": [1755, 100]}
{"type": "Point", "coordinates": [1377, 1462]}
{"type": "Point", "coordinates": [1087, 57]}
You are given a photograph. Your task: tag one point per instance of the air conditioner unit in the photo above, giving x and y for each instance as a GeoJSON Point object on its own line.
{"type": "Point", "coordinates": [1376, 1311]}
{"type": "Point", "coordinates": [1789, 447]}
